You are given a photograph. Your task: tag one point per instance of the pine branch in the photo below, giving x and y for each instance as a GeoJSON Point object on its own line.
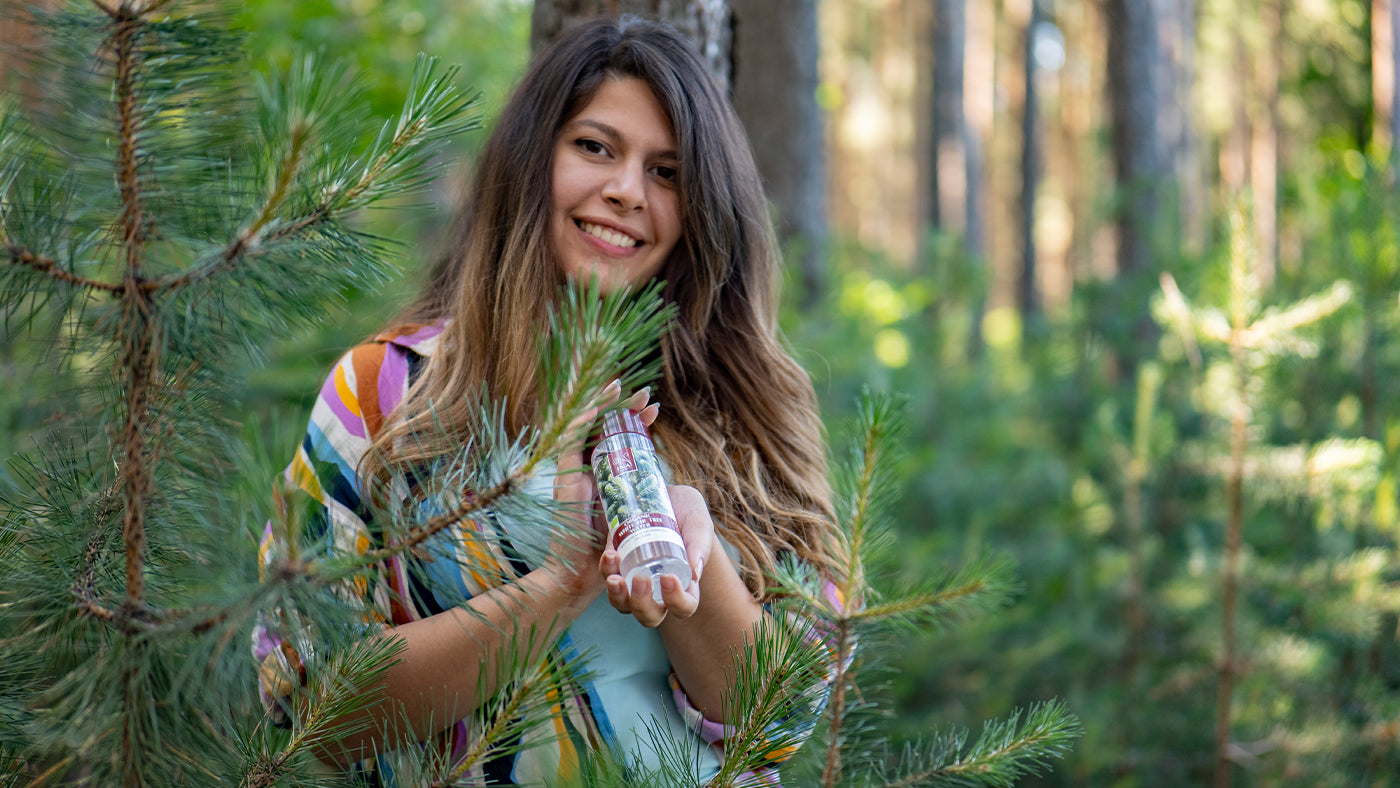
{"type": "Point", "coordinates": [131, 222]}
{"type": "Point", "coordinates": [331, 694]}
{"type": "Point", "coordinates": [590, 338]}
{"type": "Point", "coordinates": [1005, 752]}
{"type": "Point", "coordinates": [772, 695]}
{"type": "Point", "coordinates": [20, 256]}
{"type": "Point", "coordinates": [434, 111]}
{"type": "Point", "coordinates": [251, 235]}
{"type": "Point", "coordinates": [529, 699]}
{"type": "Point", "coordinates": [871, 483]}
{"type": "Point", "coordinates": [980, 586]}
{"type": "Point", "coordinates": [868, 486]}
{"type": "Point", "coordinates": [84, 586]}
{"type": "Point", "coordinates": [836, 708]}
{"type": "Point", "coordinates": [138, 361]}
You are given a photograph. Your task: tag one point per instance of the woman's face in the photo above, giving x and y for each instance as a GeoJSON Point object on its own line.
{"type": "Point", "coordinates": [615, 209]}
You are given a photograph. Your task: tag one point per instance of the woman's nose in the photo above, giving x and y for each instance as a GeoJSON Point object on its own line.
{"type": "Point", "coordinates": [625, 188]}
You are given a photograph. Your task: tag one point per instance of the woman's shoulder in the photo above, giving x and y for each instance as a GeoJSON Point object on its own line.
{"type": "Point", "coordinates": [371, 378]}
{"type": "Point", "coordinates": [418, 338]}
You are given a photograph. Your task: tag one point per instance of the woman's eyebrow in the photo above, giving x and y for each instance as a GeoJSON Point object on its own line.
{"type": "Point", "coordinates": [612, 133]}
{"type": "Point", "coordinates": [599, 126]}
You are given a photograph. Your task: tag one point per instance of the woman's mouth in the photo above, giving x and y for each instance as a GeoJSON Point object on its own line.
{"type": "Point", "coordinates": [607, 235]}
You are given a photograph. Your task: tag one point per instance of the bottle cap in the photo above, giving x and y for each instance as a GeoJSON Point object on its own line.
{"type": "Point", "coordinates": [622, 420]}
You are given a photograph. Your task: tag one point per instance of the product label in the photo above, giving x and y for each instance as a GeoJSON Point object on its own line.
{"type": "Point", "coordinates": [621, 461]}
{"type": "Point", "coordinates": [649, 527]}
{"type": "Point", "coordinates": [634, 525]}
{"type": "Point", "coordinates": [630, 484]}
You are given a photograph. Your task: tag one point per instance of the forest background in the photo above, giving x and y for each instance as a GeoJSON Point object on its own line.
{"type": "Point", "coordinates": [1135, 266]}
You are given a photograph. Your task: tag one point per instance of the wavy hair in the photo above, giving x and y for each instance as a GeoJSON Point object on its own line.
{"type": "Point", "coordinates": [739, 416]}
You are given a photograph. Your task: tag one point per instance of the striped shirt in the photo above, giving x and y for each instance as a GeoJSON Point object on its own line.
{"type": "Point", "coordinates": [630, 691]}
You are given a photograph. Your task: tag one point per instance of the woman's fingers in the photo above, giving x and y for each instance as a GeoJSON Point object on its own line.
{"type": "Point", "coordinates": [695, 524]}
{"type": "Point", "coordinates": [638, 401]}
{"type": "Point", "coordinates": [638, 601]}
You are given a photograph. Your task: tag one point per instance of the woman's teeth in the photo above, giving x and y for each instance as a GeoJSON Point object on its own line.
{"type": "Point", "coordinates": [603, 233]}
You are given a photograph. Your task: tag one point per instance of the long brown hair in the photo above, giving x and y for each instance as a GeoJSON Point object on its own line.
{"type": "Point", "coordinates": [738, 415]}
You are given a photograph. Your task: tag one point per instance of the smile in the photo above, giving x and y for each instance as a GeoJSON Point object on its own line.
{"type": "Point", "coordinates": [604, 234]}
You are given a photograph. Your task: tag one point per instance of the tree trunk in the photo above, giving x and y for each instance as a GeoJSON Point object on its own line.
{"type": "Point", "coordinates": [979, 102]}
{"type": "Point", "coordinates": [1184, 147]}
{"type": "Point", "coordinates": [775, 93]}
{"type": "Point", "coordinates": [1393, 116]}
{"type": "Point", "coordinates": [706, 22]}
{"type": "Point", "coordinates": [1264, 143]}
{"type": "Point", "coordinates": [948, 167]}
{"type": "Point", "coordinates": [1027, 297]}
{"type": "Point", "coordinates": [20, 42]}
{"type": "Point", "coordinates": [1134, 76]}
{"type": "Point", "coordinates": [1385, 25]}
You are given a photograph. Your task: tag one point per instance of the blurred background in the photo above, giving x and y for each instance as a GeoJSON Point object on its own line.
{"type": "Point", "coordinates": [1136, 266]}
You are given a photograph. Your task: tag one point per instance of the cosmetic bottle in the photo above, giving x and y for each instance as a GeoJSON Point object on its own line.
{"type": "Point", "coordinates": [641, 523]}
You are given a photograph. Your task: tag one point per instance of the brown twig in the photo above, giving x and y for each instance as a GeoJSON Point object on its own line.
{"type": "Point", "coordinates": [417, 535]}
{"type": "Point", "coordinates": [250, 236]}
{"type": "Point", "coordinates": [84, 583]}
{"type": "Point", "coordinates": [20, 256]}
{"type": "Point", "coordinates": [138, 327]}
{"type": "Point", "coordinates": [1234, 492]}
{"type": "Point", "coordinates": [836, 706]}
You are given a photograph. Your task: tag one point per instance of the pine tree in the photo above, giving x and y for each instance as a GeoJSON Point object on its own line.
{"type": "Point", "coordinates": [1277, 600]}
{"type": "Point", "coordinates": [156, 217]}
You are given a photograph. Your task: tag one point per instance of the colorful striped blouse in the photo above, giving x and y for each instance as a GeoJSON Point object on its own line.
{"type": "Point", "coordinates": [630, 692]}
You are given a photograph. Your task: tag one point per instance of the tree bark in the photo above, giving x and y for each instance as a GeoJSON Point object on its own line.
{"type": "Point", "coordinates": [948, 167]}
{"type": "Point", "coordinates": [1264, 144]}
{"type": "Point", "coordinates": [775, 93]}
{"type": "Point", "coordinates": [1135, 93]}
{"type": "Point", "coordinates": [1385, 66]}
{"type": "Point", "coordinates": [1027, 296]}
{"type": "Point", "coordinates": [706, 22]}
{"type": "Point", "coordinates": [1183, 144]}
{"type": "Point", "coordinates": [979, 104]}
{"type": "Point", "coordinates": [21, 69]}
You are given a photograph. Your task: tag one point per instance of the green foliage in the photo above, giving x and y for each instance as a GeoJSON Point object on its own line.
{"type": "Point", "coordinates": [148, 238]}
{"type": "Point", "coordinates": [377, 41]}
{"type": "Point", "coordinates": [1107, 494]}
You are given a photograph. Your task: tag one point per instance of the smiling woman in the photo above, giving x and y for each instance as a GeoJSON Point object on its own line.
{"type": "Point", "coordinates": [617, 156]}
{"type": "Point", "coordinates": [616, 210]}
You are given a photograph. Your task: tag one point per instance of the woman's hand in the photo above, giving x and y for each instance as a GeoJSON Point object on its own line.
{"type": "Point", "coordinates": [575, 553]}
{"type": "Point", "coordinates": [698, 532]}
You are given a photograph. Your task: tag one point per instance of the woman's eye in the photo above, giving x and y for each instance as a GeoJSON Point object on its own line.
{"type": "Point", "coordinates": [591, 146]}
{"type": "Point", "coordinates": [665, 173]}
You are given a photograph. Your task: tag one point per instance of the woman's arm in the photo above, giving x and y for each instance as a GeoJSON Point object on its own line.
{"type": "Point", "coordinates": [449, 662]}
{"type": "Point", "coordinates": [704, 626]}
{"type": "Point", "coordinates": [449, 658]}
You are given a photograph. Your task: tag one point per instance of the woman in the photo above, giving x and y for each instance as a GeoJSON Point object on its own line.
{"type": "Point", "coordinates": [617, 157]}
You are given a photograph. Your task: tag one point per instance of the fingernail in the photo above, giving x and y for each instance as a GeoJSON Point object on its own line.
{"type": "Point", "coordinates": [647, 391]}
